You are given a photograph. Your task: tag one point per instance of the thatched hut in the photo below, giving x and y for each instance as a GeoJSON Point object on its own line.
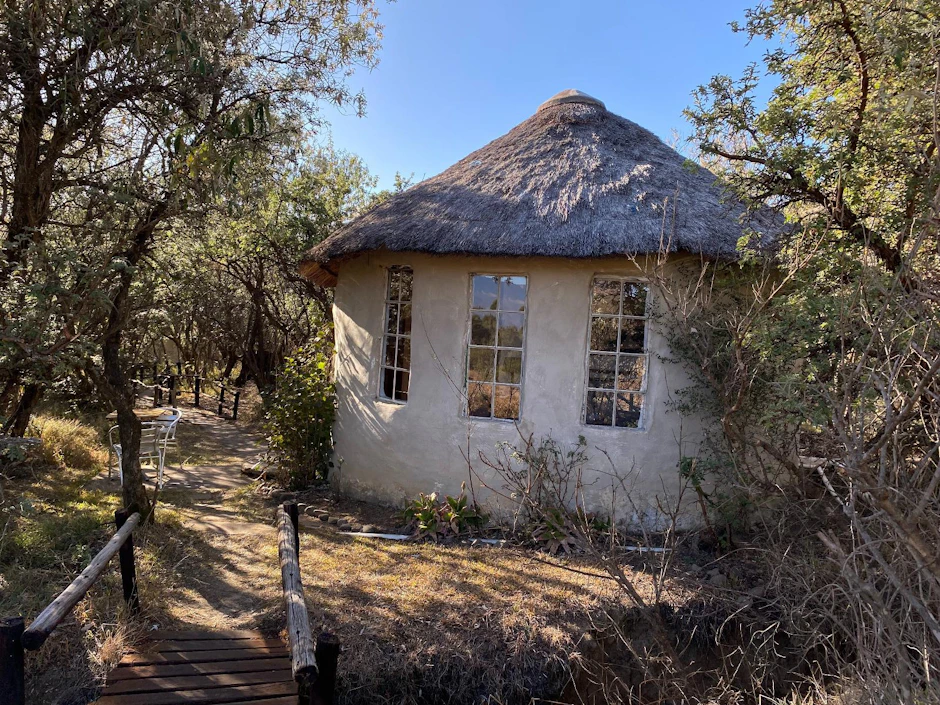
{"type": "Point", "coordinates": [508, 294]}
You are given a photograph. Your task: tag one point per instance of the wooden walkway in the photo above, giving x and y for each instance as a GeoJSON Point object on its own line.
{"type": "Point", "coordinates": [203, 667]}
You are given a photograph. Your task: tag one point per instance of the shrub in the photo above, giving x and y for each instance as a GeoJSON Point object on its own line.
{"type": "Point", "coordinates": [67, 443]}
{"type": "Point", "coordinates": [429, 518]}
{"type": "Point", "coordinates": [299, 417]}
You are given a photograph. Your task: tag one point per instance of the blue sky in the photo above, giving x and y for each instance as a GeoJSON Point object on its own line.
{"type": "Point", "coordinates": [455, 75]}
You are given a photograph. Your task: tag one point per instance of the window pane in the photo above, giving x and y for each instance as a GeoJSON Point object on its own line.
{"type": "Point", "coordinates": [401, 385]}
{"type": "Point", "coordinates": [392, 324]}
{"type": "Point", "coordinates": [512, 294]}
{"type": "Point", "coordinates": [601, 370]}
{"type": "Point", "coordinates": [404, 319]}
{"type": "Point", "coordinates": [396, 345]}
{"type": "Point", "coordinates": [481, 364]}
{"type": "Point", "coordinates": [406, 277]}
{"type": "Point", "coordinates": [604, 334]}
{"type": "Point", "coordinates": [484, 292]}
{"type": "Point", "coordinates": [634, 299]}
{"type": "Point", "coordinates": [479, 399]}
{"type": "Point", "coordinates": [630, 372]}
{"type": "Point", "coordinates": [600, 408]}
{"type": "Point", "coordinates": [404, 353]}
{"type": "Point", "coordinates": [510, 329]}
{"type": "Point", "coordinates": [509, 366]}
{"type": "Point", "coordinates": [605, 298]}
{"type": "Point", "coordinates": [628, 410]}
{"type": "Point", "coordinates": [632, 334]}
{"type": "Point", "coordinates": [507, 402]}
{"type": "Point", "coordinates": [483, 329]}
{"type": "Point", "coordinates": [497, 323]}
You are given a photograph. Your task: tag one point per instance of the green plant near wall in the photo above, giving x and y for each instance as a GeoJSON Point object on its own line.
{"type": "Point", "coordinates": [429, 517]}
{"type": "Point", "coordinates": [300, 414]}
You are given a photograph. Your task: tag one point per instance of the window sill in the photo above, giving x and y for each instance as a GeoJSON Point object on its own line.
{"type": "Point", "coordinates": [619, 429]}
{"type": "Point", "coordinates": [393, 402]}
{"type": "Point", "coordinates": [489, 419]}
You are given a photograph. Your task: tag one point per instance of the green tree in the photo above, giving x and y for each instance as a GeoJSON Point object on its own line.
{"type": "Point", "coordinates": [231, 288]}
{"type": "Point", "coordinates": [847, 139]}
{"type": "Point", "coordinates": [830, 347]}
{"type": "Point", "coordinates": [121, 118]}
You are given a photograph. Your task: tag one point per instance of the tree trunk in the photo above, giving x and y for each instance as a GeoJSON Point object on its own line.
{"type": "Point", "coordinates": [114, 383]}
{"type": "Point", "coordinates": [19, 420]}
{"type": "Point", "coordinates": [32, 172]}
{"type": "Point", "coordinates": [10, 385]}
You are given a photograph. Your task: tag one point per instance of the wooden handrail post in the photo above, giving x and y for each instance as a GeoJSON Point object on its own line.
{"type": "Point", "coordinates": [294, 513]}
{"type": "Point", "coordinates": [221, 396]}
{"type": "Point", "coordinates": [174, 389]}
{"type": "Point", "coordinates": [128, 569]}
{"type": "Point", "coordinates": [238, 393]}
{"type": "Point", "coordinates": [196, 391]}
{"type": "Point", "coordinates": [12, 678]}
{"type": "Point", "coordinates": [327, 655]}
{"type": "Point", "coordinates": [299, 639]}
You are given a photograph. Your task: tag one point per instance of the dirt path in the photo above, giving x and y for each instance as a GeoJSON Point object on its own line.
{"type": "Point", "coordinates": [229, 570]}
{"type": "Point", "coordinates": [221, 545]}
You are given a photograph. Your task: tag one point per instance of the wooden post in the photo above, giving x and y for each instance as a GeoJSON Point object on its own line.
{"type": "Point", "coordinates": [238, 393]}
{"type": "Point", "coordinates": [299, 639]}
{"type": "Point", "coordinates": [294, 513]}
{"type": "Point", "coordinates": [196, 391]}
{"type": "Point", "coordinates": [12, 678]}
{"type": "Point", "coordinates": [221, 396]}
{"type": "Point", "coordinates": [128, 570]}
{"type": "Point", "coordinates": [327, 655]}
{"type": "Point", "coordinates": [179, 368]}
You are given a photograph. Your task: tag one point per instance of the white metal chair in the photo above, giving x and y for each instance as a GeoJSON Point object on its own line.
{"type": "Point", "coordinates": [153, 443]}
{"type": "Point", "coordinates": [171, 419]}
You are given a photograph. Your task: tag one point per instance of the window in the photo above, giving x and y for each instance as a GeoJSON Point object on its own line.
{"type": "Point", "coordinates": [497, 336]}
{"type": "Point", "coordinates": [617, 361]}
{"type": "Point", "coordinates": [396, 362]}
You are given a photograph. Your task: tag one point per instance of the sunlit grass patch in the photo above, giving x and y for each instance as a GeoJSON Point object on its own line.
{"type": "Point", "coordinates": [68, 443]}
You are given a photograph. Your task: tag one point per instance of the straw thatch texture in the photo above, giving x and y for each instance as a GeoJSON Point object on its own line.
{"type": "Point", "coordinates": [574, 180]}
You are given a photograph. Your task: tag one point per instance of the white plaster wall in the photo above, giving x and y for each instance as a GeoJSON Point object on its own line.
{"type": "Point", "coordinates": [389, 452]}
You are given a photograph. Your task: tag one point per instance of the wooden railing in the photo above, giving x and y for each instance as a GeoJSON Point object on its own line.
{"type": "Point", "coordinates": [314, 667]}
{"type": "Point", "coordinates": [167, 386]}
{"type": "Point", "coordinates": [313, 663]}
{"type": "Point", "coordinates": [14, 637]}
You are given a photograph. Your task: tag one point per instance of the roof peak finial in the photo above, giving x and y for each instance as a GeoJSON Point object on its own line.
{"type": "Point", "coordinates": [572, 95]}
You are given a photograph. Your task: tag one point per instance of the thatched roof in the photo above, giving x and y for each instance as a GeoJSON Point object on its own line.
{"type": "Point", "coordinates": [574, 180]}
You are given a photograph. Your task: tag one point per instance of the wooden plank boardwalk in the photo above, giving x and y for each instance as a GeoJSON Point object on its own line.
{"type": "Point", "coordinates": [203, 667]}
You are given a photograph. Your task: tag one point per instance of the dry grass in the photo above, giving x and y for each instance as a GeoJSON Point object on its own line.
{"type": "Point", "coordinates": [68, 443]}
{"type": "Point", "coordinates": [419, 623]}
{"type": "Point", "coordinates": [423, 623]}
{"type": "Point", "coordinates": [51, 527]}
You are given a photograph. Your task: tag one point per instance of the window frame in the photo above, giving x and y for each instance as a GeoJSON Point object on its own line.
{"type": "Point", "coordinates": [386, 302]}
{"type": "Point", "coordinates": [468, 346]}
{"type": "Point", "coordinates": [643, 422]}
